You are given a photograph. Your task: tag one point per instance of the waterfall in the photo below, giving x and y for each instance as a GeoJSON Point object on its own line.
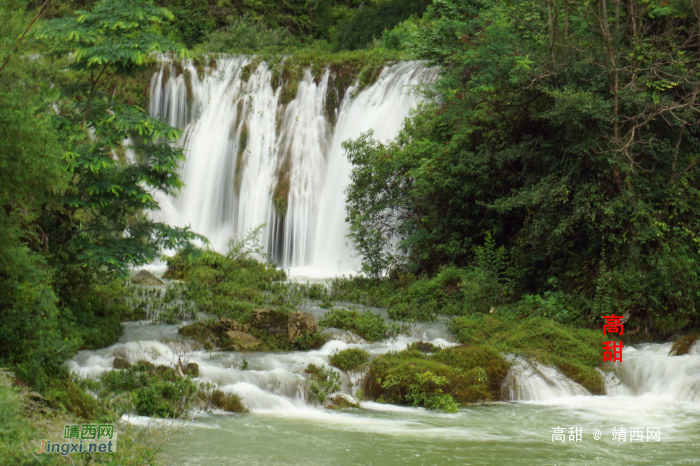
{"type": "Point", "coordinates": [250, 159]}
{"type": "Point", "coordinates": [528, 380]}
{"type": "Point", "coordinates": [649, 371]}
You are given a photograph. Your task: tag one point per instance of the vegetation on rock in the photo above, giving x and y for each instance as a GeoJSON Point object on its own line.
{"type": "Point", "coordinates": [368, 325]}
{"type": "Point", "coordinates": [349, 360]}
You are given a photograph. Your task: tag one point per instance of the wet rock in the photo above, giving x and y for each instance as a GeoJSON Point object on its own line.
{"type": "Point", "coordinates": [120, 351]}
{"type": "Point", "coordinates": [242, 339]}
{"type": "Point", "coordinates": [300, 323]}
{"type": "Point", "coordinates": [343, 335]}
{"type": "Point", "coordinates": [229, 324]}
{"type": "Point", "coordinates": [341, 401]}
{"type": "Point", "coordinates": [266, 319]}
{"type": "Point", "coordinates": [144, 277]}
{"type": "Point", "coordinates": [120, 363]}
{"type": "Point", "coordinates": [192, 369]}
{"type": "Point", "coordinates": [199, 331]}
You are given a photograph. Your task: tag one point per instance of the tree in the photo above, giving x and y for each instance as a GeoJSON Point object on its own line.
{"type": "Point", "coordinates": [99, 224]}
{"type": "Point", "coordinates": [567, 131]}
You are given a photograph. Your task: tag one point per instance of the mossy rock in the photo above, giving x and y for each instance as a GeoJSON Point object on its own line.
{"type": "Point", "coordinates": [574, 352]}
{"type": "Point", "coordinates": [406, 367]}
{"type": "Point", "coordinates": [120, 363]}
{"type": "Point", "coordinates": [144, 277]}
{"type": "Point", "coordinates": [228, 402]}
{"type": "Point", "coordinates": [683, 344]}
{"type": "Point", "coordinates": [467, 358]}
{"type": "Point", "coordinates": [192, 369]}
{"type": "Point", "coordinates": [200, 331]}
{"type": "Point", "coordinates": [341, 401]}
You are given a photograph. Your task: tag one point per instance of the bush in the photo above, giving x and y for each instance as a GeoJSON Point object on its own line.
{"type": "Point", "coordinates": [231, 285]}
{"type": "Point", "coordinates": [414, 378]}
{"type": "Point", "coordinates": [228, 402]}
{"type": "Point", "coordinates": [351, 359]}
{"type": "Point", "coordinates": [154, 390]}
{"type": "Point", "coordinates": [321, 383]}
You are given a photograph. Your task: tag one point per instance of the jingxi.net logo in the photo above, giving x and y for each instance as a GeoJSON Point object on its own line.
{"type": "Point", "coordinates": [87, 438]}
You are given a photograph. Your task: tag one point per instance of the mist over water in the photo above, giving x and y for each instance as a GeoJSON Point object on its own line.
{"type": "Point", "coordinates": [252, 160]}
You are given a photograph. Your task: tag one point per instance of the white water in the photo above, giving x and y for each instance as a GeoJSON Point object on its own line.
{"type": "Point", "coordinates": [649, 388]}
{"type": "Point", "coordinates": [273, 381]}
{"type": "Point", "coordinates": [242, 145]}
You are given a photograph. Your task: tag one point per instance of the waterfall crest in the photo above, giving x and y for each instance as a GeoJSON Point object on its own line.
{"type": "Point", "coordinates": [251, 159]}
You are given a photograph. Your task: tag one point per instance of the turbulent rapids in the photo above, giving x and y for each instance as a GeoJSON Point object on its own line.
{"type": "Point", "coordinates": [252, 160]}
{"type": "Point", "coordinates": [649, 388]}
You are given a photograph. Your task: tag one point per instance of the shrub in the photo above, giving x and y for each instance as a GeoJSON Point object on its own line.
{"type": "Point", "coordinates": [414, 378]}
{"type": "Point", "coordinates": [228, 402]}
{"type": "Point", "coordinates": [426, 391]}
{"type": "Point", "coordinates": [351, 359]}
{"type": "Point", "coordinates": [154, 390]}
{"type": "Point", "coordinates": [321, 383]}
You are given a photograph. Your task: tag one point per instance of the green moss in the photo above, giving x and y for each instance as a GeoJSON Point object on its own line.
{"type": "Point", "coordinates": [351, 359]}
{"type": "Point", "coordinates": [469, 357]}
{"type": "Point", "coordinates": [281, 194]}
{"type": "Point", "coordinates": [684, 343]}
{"type": "Point", "coordinates": [575, 352]}
{"type": "Point", "coordinates": [412, 377]}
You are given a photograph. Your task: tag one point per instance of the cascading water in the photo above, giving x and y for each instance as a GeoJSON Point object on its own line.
{"type": "Point", "coordinates": [252, 160]}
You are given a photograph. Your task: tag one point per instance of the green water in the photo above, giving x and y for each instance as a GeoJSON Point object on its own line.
{"type": "Point", "coordinates": [510, 433]}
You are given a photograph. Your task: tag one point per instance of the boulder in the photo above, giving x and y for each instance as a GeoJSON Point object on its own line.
{"type": "Point", "coordinates": [341, 401]}
{"type": "Point", "coordinates": [120, 363]}
{"type": "Point", "coordinates": [192, 369]}
{"type": "Point", "coordinates": [242, 339]}
{"type": "Point", "coordinates": [144, 277]}
{"type": "Point", "coordinates": [229, 324]}
{"type": "Point", "coordinates": [266, 319]}
{"type": "Point", "coordinates": [300, 323]}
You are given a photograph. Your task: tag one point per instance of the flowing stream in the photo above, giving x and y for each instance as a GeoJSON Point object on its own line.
{"type": "Point", "coordinates": [649, 389]}
{"type": "Point", "coordinates": [252, 160]}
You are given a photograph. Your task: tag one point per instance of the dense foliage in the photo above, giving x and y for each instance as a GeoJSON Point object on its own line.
{"type": "Point", "coordinates": [567, 133]}
{"type": "Point", "coordinates": [73, 206]}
